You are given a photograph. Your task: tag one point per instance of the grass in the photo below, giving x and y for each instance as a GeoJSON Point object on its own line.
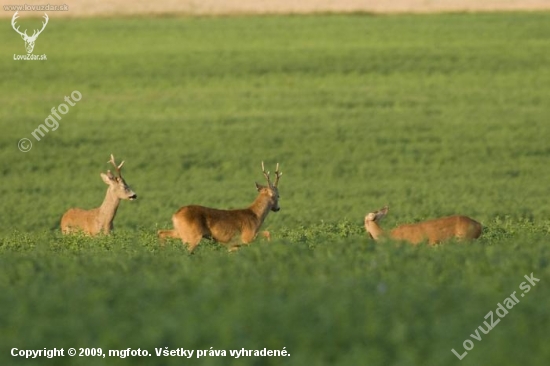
{"type": "Point", "coordinates": [431, 114]}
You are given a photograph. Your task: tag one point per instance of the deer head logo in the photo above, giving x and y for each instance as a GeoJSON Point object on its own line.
{"type": "Point", "coordinates": [29, 40]}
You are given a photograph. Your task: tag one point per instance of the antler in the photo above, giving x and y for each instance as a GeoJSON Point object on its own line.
{"type": "Point", "coordinates": [278, 175]}
{"type": "Point", "coordinates": [13, 25]}
{"type": "Point", "coordinates": [266, 174]}
{"type": "Point", "coordinates": [36, 33]}
{"type": "Point", "coordinates": [119, 167]}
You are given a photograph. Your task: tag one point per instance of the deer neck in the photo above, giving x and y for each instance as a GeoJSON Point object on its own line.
{"type": "Point", "coordinates": [261, 207]}
{"type": "Point", "coordinates": [108, 208]}
{"type": "Point", "coordinates": [374, 230]}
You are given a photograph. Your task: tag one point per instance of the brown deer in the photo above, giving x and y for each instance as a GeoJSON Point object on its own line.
{"type": "Point", "coordinates": [192, 223]}
{"type": "Point", "coordinates": [100, 219]}
{"type": "Point", "coordinates": [433, 231]}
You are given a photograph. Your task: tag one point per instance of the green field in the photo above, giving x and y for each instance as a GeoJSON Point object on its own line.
{"type": "Point", "coordinates": [431, 114]}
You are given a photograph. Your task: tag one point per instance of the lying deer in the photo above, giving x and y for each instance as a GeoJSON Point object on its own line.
{"type": "Point", "coordinates": [434, 231]}
{"type": "Point", "coordinates": [100, 219]}
{"type": "Point", "coordinates": [192, 223]}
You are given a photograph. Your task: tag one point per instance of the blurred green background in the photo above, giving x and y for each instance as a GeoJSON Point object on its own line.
{"type": "Point", "coordinates": [431, 114]}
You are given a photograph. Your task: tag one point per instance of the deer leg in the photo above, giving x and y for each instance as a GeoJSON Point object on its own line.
{"type": "Point", "coordinates": [233, 245]}
{"type": "Point", "coordinates": [248, 237]}
{"type": "Point", "coordinates": [193, 244]}
{"type": "Point", "coordinates": [192, 239]}
{"type": "Point", "coordinates": [163, 234]}
{"type": "Point", "coordinates": [188, 234]}
{"type": "Point", "coordinates": [266, 234]}
{"type": "Point", "coordinates": [233, 248]}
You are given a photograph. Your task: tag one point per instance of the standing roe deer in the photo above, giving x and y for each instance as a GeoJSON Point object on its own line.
{"type": "Point", "coordinates": [192, 223]}
{"type": "Point", "coordinates": [100, 219]}
{"type": "Point", "coordinates": [434, 231]}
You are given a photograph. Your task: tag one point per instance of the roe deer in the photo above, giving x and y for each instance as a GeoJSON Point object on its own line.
{"type": "Point", "coordinates": [434, 231]}
{"type": "Point", "coordinates": [192, 223]}
{"type": "Point", "coordinates": [100, 219]}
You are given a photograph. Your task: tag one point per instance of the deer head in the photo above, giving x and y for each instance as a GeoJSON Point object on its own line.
{"type": "Point", "coordinates": [117, 183]}
{"type": "Point", "coordinates": [371, 222]}
{"type": "Point", "coordinates": [29, 40]}
{"type": "Point", "coordinates": [377, 215]}
{"type": "Point", "coordinates": [271, 189]}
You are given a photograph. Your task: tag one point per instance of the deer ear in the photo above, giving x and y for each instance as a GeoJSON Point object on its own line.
{"type": "Point", "coordinates": [259, 186]}
{"type": "Point", "coordinates": [106, 178]}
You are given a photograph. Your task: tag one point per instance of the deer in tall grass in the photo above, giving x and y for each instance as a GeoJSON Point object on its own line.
{"type": "Point", "coordinates": [433, 231]}
{"type": "Point", "coordinates": [192, 223]}
{"type": "Point", "coordinates": [100, 219]}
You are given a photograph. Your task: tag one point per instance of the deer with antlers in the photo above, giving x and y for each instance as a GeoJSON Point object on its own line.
{"type": "Point", "coordinates": [29, 40]}
{"type": "Point", "coordinates": [192, 223]}
{"type": "Point", "coordinates": [433, 231]}
{"type": "Point", "coordinates": [100, 219]}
